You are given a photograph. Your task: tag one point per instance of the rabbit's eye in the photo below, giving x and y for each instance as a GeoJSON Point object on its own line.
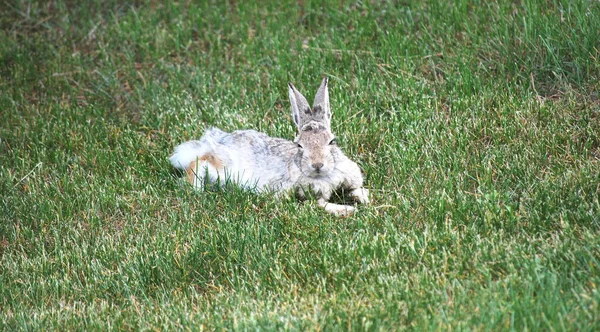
{"type": "Point", "coordinates": [299, 146]}
{"type": "Point", "coordinates": [333, 141]}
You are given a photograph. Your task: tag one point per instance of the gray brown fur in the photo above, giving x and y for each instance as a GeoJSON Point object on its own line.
{"type": "Point", "coordinates": [312, 162]}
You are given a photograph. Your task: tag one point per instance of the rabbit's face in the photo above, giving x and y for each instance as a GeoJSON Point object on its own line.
{"type": "Point", "coordinates": [317, 149]}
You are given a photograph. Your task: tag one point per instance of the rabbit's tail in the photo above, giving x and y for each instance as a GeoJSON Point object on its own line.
{"type": "Point", "coordinates": [190, 151]}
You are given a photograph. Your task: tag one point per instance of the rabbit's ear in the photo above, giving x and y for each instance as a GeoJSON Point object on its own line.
{"type": "Point", "coordinates": [321, 103]}
{"type": "Point", "coordinates": [300, 107]}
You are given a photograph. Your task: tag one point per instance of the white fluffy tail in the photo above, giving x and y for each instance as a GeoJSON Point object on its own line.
{"type": "Point", "coordinates": [190, 151]}
{"type": "Point", "coordinates": [187, 152]}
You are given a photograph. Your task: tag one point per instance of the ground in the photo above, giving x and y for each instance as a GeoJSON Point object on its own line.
{"type": "Point", "coordinates": [476, 125]}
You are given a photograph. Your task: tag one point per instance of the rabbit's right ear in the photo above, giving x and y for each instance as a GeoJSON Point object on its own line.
{"type": "Point", "coordinates": [300, 106]}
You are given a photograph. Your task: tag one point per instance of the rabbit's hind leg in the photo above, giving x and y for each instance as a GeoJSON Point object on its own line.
{"type": "Point", "coordinates": [206, 169]}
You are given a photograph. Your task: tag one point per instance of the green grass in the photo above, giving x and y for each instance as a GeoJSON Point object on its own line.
{"type": "Point", "coordinates": [476, 123]}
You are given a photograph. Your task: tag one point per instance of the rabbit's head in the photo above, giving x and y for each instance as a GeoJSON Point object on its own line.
{"type": "Point", "coordinates": [316, 144]}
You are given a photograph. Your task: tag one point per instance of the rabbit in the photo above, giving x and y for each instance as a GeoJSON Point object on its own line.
{"type": "Point", "coordinates": [250, 159]}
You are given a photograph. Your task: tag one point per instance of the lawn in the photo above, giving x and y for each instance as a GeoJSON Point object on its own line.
{"type": "Point", "coordinates": [476, 124]}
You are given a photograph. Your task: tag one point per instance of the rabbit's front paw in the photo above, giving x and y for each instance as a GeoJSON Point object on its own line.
{"type": "Point", "coordinates": [360, 195]}
{"type": "Point", "coordinates": [337, 209]}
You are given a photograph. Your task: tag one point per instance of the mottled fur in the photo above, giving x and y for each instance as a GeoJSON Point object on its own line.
{"type": "Point", "coordinates": [253, 160]}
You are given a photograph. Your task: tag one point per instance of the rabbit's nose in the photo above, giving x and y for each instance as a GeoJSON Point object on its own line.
{"type": "Point", "coordinates": [317, 166]}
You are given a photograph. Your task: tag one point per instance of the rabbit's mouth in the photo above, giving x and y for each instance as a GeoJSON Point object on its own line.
{"type": "Point", "coordinates": [318, 174]}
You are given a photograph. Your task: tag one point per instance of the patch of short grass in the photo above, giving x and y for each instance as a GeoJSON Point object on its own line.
{"type": "Point", "coordinates": [476, 125]}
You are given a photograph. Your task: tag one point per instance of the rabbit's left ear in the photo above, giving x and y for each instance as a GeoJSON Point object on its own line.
{"type": "Point", "coordinates": [300, 108]}
{"type": "Point", "coordinates": [321, 107]}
